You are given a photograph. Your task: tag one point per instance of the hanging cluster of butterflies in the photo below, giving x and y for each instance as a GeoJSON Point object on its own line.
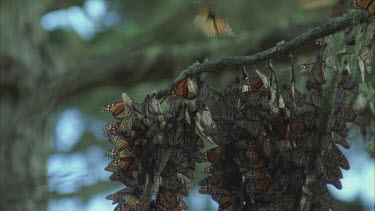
{"type": "Point", "coordinates": [275, 148]}
{"type": "Point", "coordinates": [155, 148]}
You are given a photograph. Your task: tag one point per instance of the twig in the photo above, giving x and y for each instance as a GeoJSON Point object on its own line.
{"type": "Point", "coordinates": [273, 75]}
{"type": "Point", "coordinates": [327, 29]}
{"type": "Point", "coordinates": [293, 77]}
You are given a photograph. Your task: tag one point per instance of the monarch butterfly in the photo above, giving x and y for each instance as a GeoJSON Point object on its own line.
{"type": "Point", "coordinates": [314, 70]}
{"type": "Point", "coordinates": [178, 156]}
{"type": "Point", "coordinates": [300, 158]}
{"type": "Point", "coordinates": [222, 167]}
{"type": "Point", "coordinates": [211, 155]}
{"type": "Point", "coordinates": [364, 61]}
{"type": "Point", "coordinates": [199, 143]}
{"type": "Point", "coordinates": [368, 5]}
{"type": "Point", "coordinates": [347, 82]}
{"type": "Point", "coordinates": [122, 149]}
{"type": "Point", "coordinates": [229, 203]}
{"type": "Point", "coordinates": [210, 24]}
{"type": "Point", "coordinates": [121, 177]}
{"type": "Point", "coordinates": [340, 158]}
{"type": "Point", "coordinates": [152, 206]}
{"type": "Point", "coordinates": [186, 89]}
{"type": "Point", "coordinates": [123, 207]}
{"type": "Point", "coordinates": [337, 139]}
{"type": "Point", "coordinates": [314, 98]}
{"type": "Point", "coordinates": [120, 109]}
{"type": "Point", "coordinates": [319, 187]}
{"type": "Point", "coordinates": [116, 153]}
{"type": "Point", "coordinates": [260, 172]}
{"type": "Point", "coordinates": [335, 158]}
{"type": "Point", "coordinates": [266, 186]}
{"type": "Point", "coordinates": [281, 127]}
{"type": "Point", "coordinates": [171, 200]}
{"type": "Point", "coordinates": [180, 186]}
{"type": "Point", "coordinates": [115, 129]}
{"type": "Point", "coordinates": [331, 178]}
{"type": "Point", "coordinates": [336, 171]}
{"type": "Point", "coordinates": [340, 96]}
{"type": "Point", "coordinates": [214, 180]}
{"type": "Point", "coordinates": [256, 83]}
{"type": "Point", "coordinates": [124, 196]}
{"type": "Point", "coordinates": [338, 9]}
{"type": "Point", "coordinates": [126, 164]}
{"type": "Point", "coordinates": [117, 109]}
{"type": "Point", "coordinates": [347, 112]}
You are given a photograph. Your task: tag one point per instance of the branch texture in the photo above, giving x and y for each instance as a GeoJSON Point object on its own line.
{"type": "Point", "coordinates": [281, 48]}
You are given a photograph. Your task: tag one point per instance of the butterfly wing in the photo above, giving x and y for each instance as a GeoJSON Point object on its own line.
{"type": "Point", "coordinates": [209, 23]}
{"type": "Point", "coordinates": [371, 7]}
{"type": "Point", "coordinates": [368, 5]}
{"type": "Point", "coordinates": [205, 24]}
{"type": "Point", "coordinates": [221, 27]}
{"type": "Point", "coordinates": [117, 109]}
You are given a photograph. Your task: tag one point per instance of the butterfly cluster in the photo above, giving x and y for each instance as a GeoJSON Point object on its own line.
{"type": "Point", "coordinates": [155, 146]}
{"type": "Point", "coordinates": [277, 149]}
{"type": "Point", "coordinates": [272, 147]}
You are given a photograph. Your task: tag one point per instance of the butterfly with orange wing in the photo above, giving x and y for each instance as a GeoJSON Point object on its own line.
{"type": "Point", "coordinates": [187, 89]}
{"type": "Point", "coordinates": [209, 23]}
{"type": "Point", "coordinates": [368, 5]}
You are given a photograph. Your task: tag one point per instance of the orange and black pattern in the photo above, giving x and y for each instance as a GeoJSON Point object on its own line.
{"type": "Point", "coordinates": [272, 148]}
{"type": "Point", "coordinates": [269, 161]}
{"type": "Point", "coordinates": [368, 5]}
{"type": "Point", "coordinates": [151, 152]}
{"type": "Point", "coordinates": [209, 23]}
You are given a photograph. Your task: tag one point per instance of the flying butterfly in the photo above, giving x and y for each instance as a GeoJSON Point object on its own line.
{"type": "Point", "coordinates": [368, 5]}
{"type": "Point", "coordinates": [210, 24]}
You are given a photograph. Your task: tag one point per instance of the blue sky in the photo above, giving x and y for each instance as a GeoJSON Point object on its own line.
{"type": "Point", "coordinates": [86, 21]}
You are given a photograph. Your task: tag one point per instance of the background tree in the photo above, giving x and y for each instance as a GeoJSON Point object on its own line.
{"type": "Point", "coordinates": [146, 43]}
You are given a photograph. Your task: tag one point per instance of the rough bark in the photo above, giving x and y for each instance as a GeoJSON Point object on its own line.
{"type": "Point", "coordinates": [25, 119]}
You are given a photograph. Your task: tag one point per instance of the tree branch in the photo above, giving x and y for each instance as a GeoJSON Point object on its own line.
{"type": "Point", "coordinates": [118, 67]}
{"type": "Point", "coordinates": [327, 29]}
